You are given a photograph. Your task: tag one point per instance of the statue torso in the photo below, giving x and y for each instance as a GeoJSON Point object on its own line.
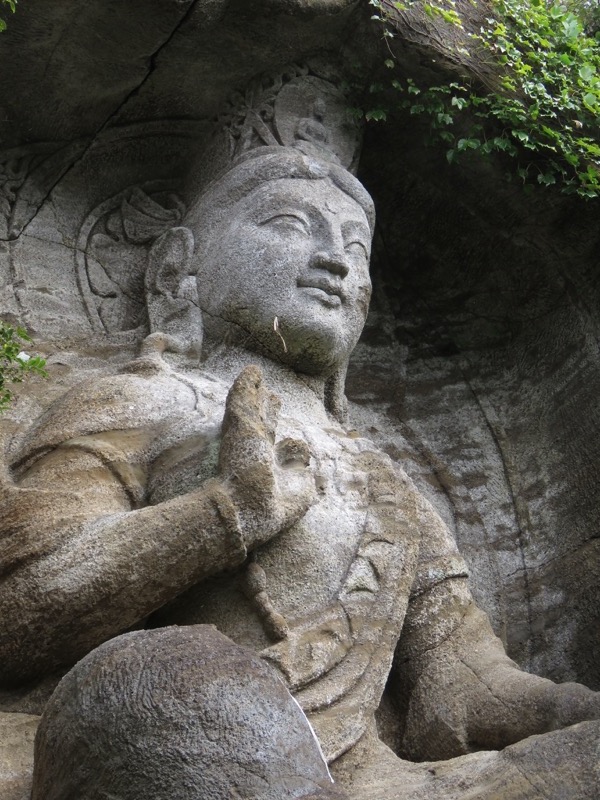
{"type": "Point", "coordinates": [339, 579]}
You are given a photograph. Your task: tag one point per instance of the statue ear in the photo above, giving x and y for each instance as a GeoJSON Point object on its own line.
{"type": "Point", "coordinates": [169, 261]}
{"type": "Point", "coordinates": [171, 296]}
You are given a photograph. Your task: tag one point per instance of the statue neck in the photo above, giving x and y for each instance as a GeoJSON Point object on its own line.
{"type": "Point", "coordinates": [301, 395]}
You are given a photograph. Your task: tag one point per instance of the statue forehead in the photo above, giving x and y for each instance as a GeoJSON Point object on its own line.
{"type": "Point", "coordinates": [319, 194]}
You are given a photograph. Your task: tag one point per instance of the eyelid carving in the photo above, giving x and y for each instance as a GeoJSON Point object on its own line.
{"type": "Point", "coordinates": [361, 244]}
{"type": "Point", "coordinates": [355, 232]}
{"type": "Point", "coordinates": [299, 221]}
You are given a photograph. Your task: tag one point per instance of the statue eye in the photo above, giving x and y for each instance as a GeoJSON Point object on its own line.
{"type": "Point", "coordinates": [288, 223]}
{"type": "Point", "coordinates": [357, 249]}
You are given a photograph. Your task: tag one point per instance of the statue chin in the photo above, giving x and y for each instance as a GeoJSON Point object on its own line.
{"type": "Point", "coordinates": [318, 349]}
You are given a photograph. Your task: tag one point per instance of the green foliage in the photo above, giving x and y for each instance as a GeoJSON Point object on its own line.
{"type": "Point", "coordinates": [446, 12]}
{"type": "Point", "coordinates": [15, 364]}
{"type": "Point", "coordinates": [588, 12]}
{"type": "Point", "coordinates": [12, 6]}
{"type": "Point", "coordinates": [545, 111]}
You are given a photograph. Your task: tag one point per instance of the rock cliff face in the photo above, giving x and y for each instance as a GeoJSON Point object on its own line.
{"type": "Point", "coordinates": [478, 370]}
{"type": "Point", "coordinates": [488, 301]}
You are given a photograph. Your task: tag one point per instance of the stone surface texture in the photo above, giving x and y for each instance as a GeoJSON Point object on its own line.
{"type": "Point", "coordinates": [217, 446]}
{"type": "Point", "coordinates": [17, 733]}
{"type": "Point", "coordinates": [226, 721]}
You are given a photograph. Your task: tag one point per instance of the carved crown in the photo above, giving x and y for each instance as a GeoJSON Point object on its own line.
{"type": "Point", "coordinates": [292, 108]}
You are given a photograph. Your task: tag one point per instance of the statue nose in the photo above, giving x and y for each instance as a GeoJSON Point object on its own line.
{"type": "Point", "coordinates": [333, 261]}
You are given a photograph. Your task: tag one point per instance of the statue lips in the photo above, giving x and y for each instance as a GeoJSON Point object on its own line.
{"type": "Point", "coordinates": [328, 292]}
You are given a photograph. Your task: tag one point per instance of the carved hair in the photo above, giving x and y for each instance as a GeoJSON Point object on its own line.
{"type": "Point", "coordinates": [207, 211]}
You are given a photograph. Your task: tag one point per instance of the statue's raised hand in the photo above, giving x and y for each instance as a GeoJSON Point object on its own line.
{"type": "Point", "coordinates": [271, 482]}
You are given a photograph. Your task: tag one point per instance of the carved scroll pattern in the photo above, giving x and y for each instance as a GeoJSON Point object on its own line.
{"type": "Point", "coordinates": [112, 253]}
{"type": "Point", "coordinates": [27, 175]}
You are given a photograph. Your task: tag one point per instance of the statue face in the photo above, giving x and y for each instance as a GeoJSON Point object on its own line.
{"type": "Point", "coordinates": [296, 251]}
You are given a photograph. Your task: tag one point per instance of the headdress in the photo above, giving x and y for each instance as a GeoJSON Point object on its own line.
{"type": "Point", "coordinates": [293, 108]}
{"type": "Point", "coordinates": [293, 124]}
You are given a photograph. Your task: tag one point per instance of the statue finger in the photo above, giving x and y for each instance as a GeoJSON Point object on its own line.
{"type": "Point", "coordinates": [271, 408]}
{"type": "Point", "coordinates": [244, 417]}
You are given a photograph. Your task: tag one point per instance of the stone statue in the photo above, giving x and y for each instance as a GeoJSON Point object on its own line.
{"type": "Point", "coordinates": [230, 494]}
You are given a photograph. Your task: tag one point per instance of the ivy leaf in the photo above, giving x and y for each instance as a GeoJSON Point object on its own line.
{"type": "Point", "coordinates": [522, 136]}
{"type": "Point", "coordinates": [356, 113]}
{"type": "Point", "coordinates": [546, 178]}
{"type": "Point", "coordinates": [15, 363]}
{"type": "Point", "coordinates": [572, 27]}
{"type": "Point", "coordinates": [468, 144]}
{"type": "Point", "coordinates": [459, 102]}
{"type": "Point", "coordinates": [376, 115]}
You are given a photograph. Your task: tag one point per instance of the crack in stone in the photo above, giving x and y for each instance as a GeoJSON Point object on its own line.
{"type": "Point", "coordinates": [66, 29]}
{"type": "Point", "coordinates": [442, 641]}
{"type": "Point", "coordinates": [115, 112]}
{"type": "Point", "coordinates": [483, 683]}
{"type": "Point", "coordinates": [542, 795]}
{"type": "Point", "coordinates": [71, 247]}
{"type": "Point", "coordinates": [560, 557]}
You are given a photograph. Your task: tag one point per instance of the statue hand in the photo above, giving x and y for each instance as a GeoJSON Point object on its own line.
{"type": "Point", "coordinates": [573, 703]}
{"type": "Point", "coordinates": [272, 484]}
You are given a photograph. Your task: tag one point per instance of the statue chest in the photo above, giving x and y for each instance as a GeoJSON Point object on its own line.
{"type": "Point", "coordinates": [345, 546]}
{"type": "Point", "coordinates": [306, 565]}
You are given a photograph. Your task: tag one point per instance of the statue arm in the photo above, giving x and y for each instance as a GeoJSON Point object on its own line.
{"type": "Point", "coordinates": [460, 690]}
{"type": "Point", "coordinates": [78, 566]}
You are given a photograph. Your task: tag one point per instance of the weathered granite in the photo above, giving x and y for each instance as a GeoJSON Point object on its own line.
{"type": "Point", "coordinates": [17, 732]}
{"type": "Point", "coordinates": [482, 335]}
{"type": "Point", "coordinates": [463, 376]}
{"type": "Point", "coordinates": [176, 712]}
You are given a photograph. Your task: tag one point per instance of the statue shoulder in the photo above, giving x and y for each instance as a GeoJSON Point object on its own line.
{"type": "Point", "coordinates": [144, 396]}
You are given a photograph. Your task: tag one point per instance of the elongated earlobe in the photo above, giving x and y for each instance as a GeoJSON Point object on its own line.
{"type": "Point", "coordinates": [335, 397]}
{"type": "Point", "coordinates": [174, 315]}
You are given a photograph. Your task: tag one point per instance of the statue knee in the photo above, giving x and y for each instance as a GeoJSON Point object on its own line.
{"type": "Point", "coordinates": [175, 712]}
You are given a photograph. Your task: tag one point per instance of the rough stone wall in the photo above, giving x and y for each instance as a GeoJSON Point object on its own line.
{"type": "Point", "coordinates": [487, 316]}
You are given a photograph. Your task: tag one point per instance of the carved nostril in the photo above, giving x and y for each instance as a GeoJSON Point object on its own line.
{"type": "Point", "coordinates": [334, 262]}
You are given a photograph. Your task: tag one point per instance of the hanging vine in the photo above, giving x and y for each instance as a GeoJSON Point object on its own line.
{"type": "Point", "coordinates": [545, 110]}
{"type": "Point", "coordinates": [11, 5]}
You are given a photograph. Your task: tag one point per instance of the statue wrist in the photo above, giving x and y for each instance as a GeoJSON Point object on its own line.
{"type": "Point", "coordinates": [229, 517]}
